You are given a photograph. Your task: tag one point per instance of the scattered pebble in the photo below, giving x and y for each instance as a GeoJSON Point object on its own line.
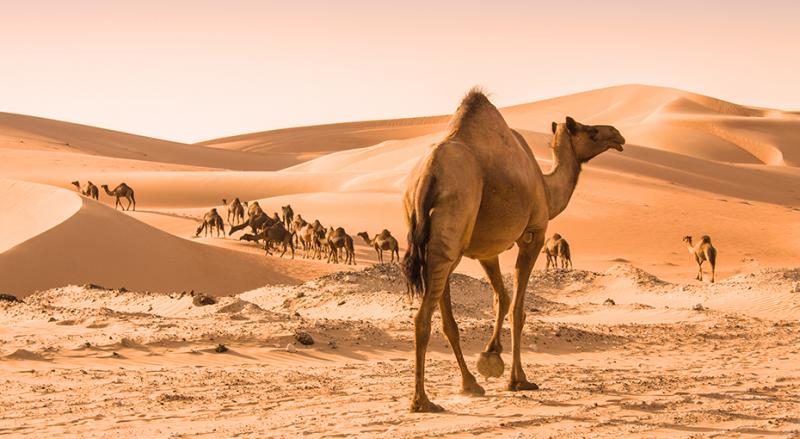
{"type": "Point", "coordinates": [609, 302]}
{"type": "Point", "coordinates": [221, 348]}
{"type": "Point", "coordinates": [203, 300]}
{"type": "Point", "coordinates": [290, 348]}
{"type": "Point", "coordinates": [304, 338]}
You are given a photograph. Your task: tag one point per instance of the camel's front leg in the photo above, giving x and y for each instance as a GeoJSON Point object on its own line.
{"type": "Point", "coordinates": [528, 251]}
{"type": "Point", "coordinates": [490, 364]}
{"type": "Point", "coordinates": [700, 271]}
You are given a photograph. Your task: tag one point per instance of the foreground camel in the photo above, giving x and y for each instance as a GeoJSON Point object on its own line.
{"type": "Point", "coordinates": [235, 211]}
{"type": "Point", "coordinates": [475, 194]}
{"type": "Point", "coordinates": [90, 190]}
{"type": "Point", "coordinates": [557, 248]}
{"type": "Point", "coordinates": [121, 191]}
{"type": "Point", "coordinates": [211, 220]}
{"type": "Point", "coordinates": [382, 241]}
{"type": "Point", "coordinates": [703, 251]}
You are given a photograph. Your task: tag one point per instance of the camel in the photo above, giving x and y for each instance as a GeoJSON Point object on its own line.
{"type": "Point", "coordinates": [235, 211]}
{"type": "Point", "coordinates": [339, 239]}
{"type": "Point", "coordinates": [557, 248]}
{"type": "Point", "coordinates": [277, 234]}
{"type": "Point", "coordinates": [90, 190]}
{"type": "Point", "coordinates": [477, 193]}
{"type": "Point", "coordinates": [288, 216]}
{"type": "Point", "coordinates": [382, 241]}
{"type": "Point", "coordinates": [211, 220]}
{"type": "Point", "coordinates": [703, 251]}
{"type": "Point", "coordinates": [249, 237]}
{"type": "Point", "coordinates": [256, 223]}
{"type": "Point", "coordinates": [121, 191]}
{"type": "Point", "coordinates": [306, 238]}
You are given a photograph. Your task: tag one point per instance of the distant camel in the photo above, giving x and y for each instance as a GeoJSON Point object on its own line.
{"type": "Point", "coordinates": [211, 220]}
{"type": "Point", "coordinates": [557, 248]}
{"type": "Point", "coordinates": [382, 241]}
{"type": "Point", "coordinates": [121, 191]}
{"type": "Point", "coordinates": [288, 216]}
{"type": "Point", "coordinates": [703, 251]}
{"type": "Point", "coordinates": [277, 234]}
{"type": "Point", "coordinates": [90, 190]}
{"type": "Point", "coordinates": [476, 193]}
{"type": "Point", "coordinates": [339, 239]}
{"type": "Point", "coordinates": [256, 223]}
{"type": "Point", "coordinates": [305, 236]}
{"type": "Point", "coordinates": [235, 211]}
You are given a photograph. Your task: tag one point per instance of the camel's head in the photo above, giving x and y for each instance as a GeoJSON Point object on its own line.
{"type": "Point", "coordinates": [75, 183]}
{"type": "Point", "coordinates": [687, 239]}
{"type": "Point", "coordinates": [589, 141]}
{"type": "Point", "coordinates": [104, 186]}
{"type": "Point", "coordinates": [363, 234]}
{"type": "Point", "coordinates": [214, 210]}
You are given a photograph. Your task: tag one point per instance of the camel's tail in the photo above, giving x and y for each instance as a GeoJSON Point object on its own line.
{"type": "Point", "coordinates": [415, 259]}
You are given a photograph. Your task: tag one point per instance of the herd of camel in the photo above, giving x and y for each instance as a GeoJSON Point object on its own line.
{"type": "Point", "coordinates": [288, 231]}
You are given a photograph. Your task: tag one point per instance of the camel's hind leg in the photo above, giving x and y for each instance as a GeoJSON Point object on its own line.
{"type": "Point", "coordinates": [528, 252]}
{"type": "Point", "coordinates": [438, 270]}
{"type": "Point", "coordinates": [490, 363]}
{"type": "Point", "coordinates": [700, 270]}
{"type": "Point", "coordinates": [469, 384]}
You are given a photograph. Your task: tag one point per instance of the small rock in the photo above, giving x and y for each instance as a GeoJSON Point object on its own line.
{"type": "Point", "coordinates": [221, 348]}
{"type": "Point", "coordinates": [8, 298]}
{"type": "Point", "coordinates": [342, 303]}
{"type": "Point", "coordinates": [609, 302]}
{"type": "Point", "coordinates": [123, 290]}
{"type": "Point", "coordinates": [203, 300]}
{"type": "Point", "coordinates": [52, 319]}
{"type": "Point", "coordinates": [304, 338]}
{"type": "Point", "coordinates": [332, 344]}
{"type": "Point", "coordinates": [290, 348]}
{"type": "Point", "coordinates": [300, 295]}
{"type": "Point", "coordinates": [796, 287]}
{"type": "Point", "coordinates": [699, 307]}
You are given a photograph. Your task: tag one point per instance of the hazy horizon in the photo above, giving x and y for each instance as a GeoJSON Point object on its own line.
{"type": "Point", "coordinates": [192, 71]}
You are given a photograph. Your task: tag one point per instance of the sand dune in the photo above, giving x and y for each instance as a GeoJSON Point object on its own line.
{"type": "Point", "coordinates": [38, 134]}
{"type": "Point", "coordinates": [86, 242]}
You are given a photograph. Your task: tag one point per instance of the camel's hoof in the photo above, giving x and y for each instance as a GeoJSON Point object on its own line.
{"type": "Point", "coordinates": [425, 406]}
{"type": "Point", "coordinates": [472, 388]}
{"type": "Point", "coordinates": [490, 365]}
{"type": "Point", "coordinates": [515, 386]}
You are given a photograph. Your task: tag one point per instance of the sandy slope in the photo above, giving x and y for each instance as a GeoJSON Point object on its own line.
{"type": "Point", "coordinates": [28, 133]}
{"type": "Point", "coordinates": [86, 242]}
{"type": "Point", "coordinates": [91, 362]}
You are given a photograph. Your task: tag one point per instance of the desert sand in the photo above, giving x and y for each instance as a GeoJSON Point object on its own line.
{"type": "Point", "coordinates": [107, 340]}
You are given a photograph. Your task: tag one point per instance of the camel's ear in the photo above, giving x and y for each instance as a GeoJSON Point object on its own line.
{"type": "Point", "coordinates": [554, 126]}
{"type": "Point", "coordinates": [572, 126]}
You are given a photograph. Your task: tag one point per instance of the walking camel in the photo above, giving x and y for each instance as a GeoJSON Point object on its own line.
{"type": "Point", "coordinates": [211, 220]}
{"type": "Point", "coordinates": [121, 191]}
{"type": "Point", "coordinates": [235, 211]}
{"type": "Point", "coordinates": [703, 251]}
{"type": "Point", "coordinates": [90, 190]}
{"type": "Point", "coordinates": [382, 241]}
{"type": "Point", "coordinates": [477, 193]}
{"type": "Point", "coordinates": [556, 249]}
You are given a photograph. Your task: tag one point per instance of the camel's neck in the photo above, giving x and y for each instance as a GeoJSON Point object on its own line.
{"type": "Point", "coordinates": [108, 191]}
{"type": "Point", "coordinates": [690, 247]}
{"type": "Point", "coordinates": [563, 176]}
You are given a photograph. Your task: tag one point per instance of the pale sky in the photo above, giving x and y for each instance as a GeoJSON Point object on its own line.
{"type": "Point", "coordinates": [195, 70]}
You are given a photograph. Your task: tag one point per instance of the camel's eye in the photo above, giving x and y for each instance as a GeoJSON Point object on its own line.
{"type": "Point", "coordinates": [593, 133]}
